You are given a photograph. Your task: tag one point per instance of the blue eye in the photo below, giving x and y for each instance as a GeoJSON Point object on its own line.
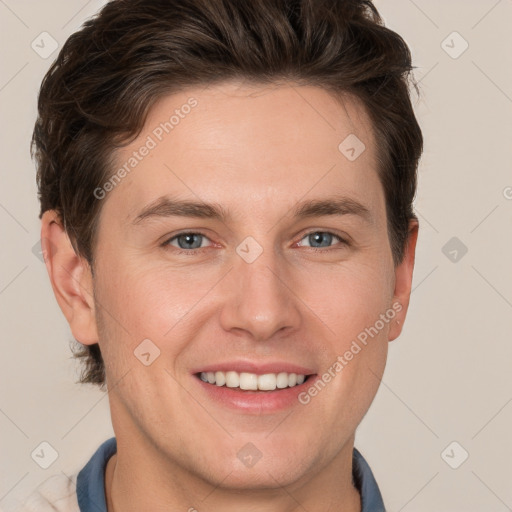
{"type": "Point", "coordinates": [322, 238]}
{"type": "Point", "coordinates": [186, 241]}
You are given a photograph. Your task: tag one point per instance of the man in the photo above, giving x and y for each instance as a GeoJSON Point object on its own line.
{"type": "Point", "coordinates": [226, 200]}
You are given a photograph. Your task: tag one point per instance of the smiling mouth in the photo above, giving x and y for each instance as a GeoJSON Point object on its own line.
{"type": "Point", "coordinates": [245, 381]}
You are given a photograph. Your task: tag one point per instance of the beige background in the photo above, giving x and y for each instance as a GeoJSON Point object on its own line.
{"type": "Point", "coordinates": [448, 376]}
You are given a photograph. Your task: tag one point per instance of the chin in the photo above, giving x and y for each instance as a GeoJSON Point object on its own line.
{"type": "Point", "coordinates": [262, 476]}
{"type": "Point", "coordinates": [260, 464]}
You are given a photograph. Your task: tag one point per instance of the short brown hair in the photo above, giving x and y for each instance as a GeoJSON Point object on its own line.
{"type": "Point", "coordinates": [107, 76]}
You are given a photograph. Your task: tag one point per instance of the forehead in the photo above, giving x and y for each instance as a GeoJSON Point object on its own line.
{"type": "Point", "coordinates": [243, 144]}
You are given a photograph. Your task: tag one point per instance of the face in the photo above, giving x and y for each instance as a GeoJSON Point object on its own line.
{"type": "Point", "coordinates": [279, 269]}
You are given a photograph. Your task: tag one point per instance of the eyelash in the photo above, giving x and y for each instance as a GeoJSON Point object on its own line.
{"type": "Point", "coordinates": [194, 251]}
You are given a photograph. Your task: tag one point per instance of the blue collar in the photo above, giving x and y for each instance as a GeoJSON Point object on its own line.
{"type": "Point", "coordinates": [90, 483]}
{"type": "Point", "coordinates": [90, 487]}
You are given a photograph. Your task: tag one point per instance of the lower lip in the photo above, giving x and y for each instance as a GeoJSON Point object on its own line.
{"type": "Point", "coordinates": [256, 402]}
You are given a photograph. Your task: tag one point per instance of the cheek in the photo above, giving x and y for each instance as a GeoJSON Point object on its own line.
{"type": "Point", "coordinates": [349, 299]}
{"type": "Point", "coordinates": [363, 298]}
{"type": "Point", "coordinates": [358, 342]}
{"type": "Point", "coordinates": [353, 300]}
{"type": "Point", "coordinates": [149, 302]}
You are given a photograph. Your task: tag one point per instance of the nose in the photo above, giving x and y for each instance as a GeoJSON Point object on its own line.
{"type": "Point", "coordinates": [259, 298]}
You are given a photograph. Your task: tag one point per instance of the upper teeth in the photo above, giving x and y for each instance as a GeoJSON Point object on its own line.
{"type": "Point", "coordinates": [251, 381]}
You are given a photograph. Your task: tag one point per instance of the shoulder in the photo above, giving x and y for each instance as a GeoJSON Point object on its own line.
{"type": "Point", "coordinates": [81, 491]}
{"type": "Point", "coordinates": [55, 494]}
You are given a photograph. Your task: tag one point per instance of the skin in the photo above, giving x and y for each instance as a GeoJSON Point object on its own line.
{"type": "Point", "coordinates": [258, 151]}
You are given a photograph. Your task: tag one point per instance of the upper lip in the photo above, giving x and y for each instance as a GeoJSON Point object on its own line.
{"type": "Point", "coordinates": [255, 367]}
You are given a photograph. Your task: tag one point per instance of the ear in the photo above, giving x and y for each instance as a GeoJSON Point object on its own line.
{"type": "Point", "coordinates": [403, 282]}
{"type": "Point", "coordinates": [71, 279]}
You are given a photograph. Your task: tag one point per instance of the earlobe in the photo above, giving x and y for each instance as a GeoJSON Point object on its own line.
{"type": "Point", "coordinates": [70, 277]}
{"type": "Point", "coordinates": [403, 282]}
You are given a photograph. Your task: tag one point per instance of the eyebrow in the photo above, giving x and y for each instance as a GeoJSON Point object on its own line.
{"type": "Point", "coordinates": [335, 206]}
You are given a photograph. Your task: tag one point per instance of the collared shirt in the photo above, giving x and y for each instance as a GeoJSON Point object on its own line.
{"type": "Point", "coordinates": [59, 495]}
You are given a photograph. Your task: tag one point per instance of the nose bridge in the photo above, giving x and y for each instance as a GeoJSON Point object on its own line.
{"type": "Point", "coordinates": [260, 301]}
